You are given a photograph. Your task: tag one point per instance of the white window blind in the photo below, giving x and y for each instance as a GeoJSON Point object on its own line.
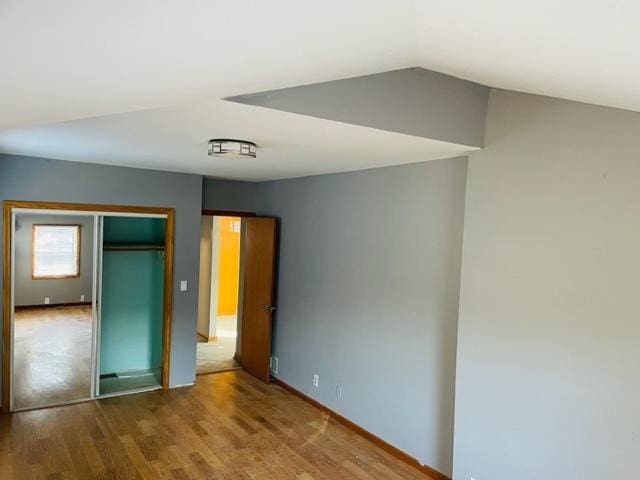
{"type": "Point", "coordinates": [56, 251]}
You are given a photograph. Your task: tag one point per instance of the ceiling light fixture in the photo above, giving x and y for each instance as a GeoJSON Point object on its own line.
{"type": "Point", "coordinates": [236, 148]}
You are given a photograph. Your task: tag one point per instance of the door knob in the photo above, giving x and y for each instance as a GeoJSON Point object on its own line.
{"type": "Point", "coordinates": [268, 308]}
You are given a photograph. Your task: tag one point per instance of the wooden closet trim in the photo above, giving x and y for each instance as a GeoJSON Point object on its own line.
{"type": "Point", "coordinates": [10, 205]}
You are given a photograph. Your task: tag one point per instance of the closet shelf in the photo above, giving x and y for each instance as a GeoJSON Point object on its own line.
{"type": "Point", "coordinates": [132, 246]}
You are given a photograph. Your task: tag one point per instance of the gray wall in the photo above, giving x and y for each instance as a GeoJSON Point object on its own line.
{"type": "Point", "coordinates": [414, 101]}
{"type": "Point", "coordinates": [549, 337]}
{"type": "Point", "coordinates": [368, 296]}
{"type": "Point", "coordinates": [228, 195]}
{"type": "Point", "coordinates": [26, 178]}
{"type": "Point", "coordinates": [67, 290]}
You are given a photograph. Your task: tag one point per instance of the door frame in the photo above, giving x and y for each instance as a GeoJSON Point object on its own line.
{"type": "Point", "coordinates": [7, 276]}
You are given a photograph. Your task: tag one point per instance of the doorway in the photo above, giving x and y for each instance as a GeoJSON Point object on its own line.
{"type": "Point", "coordinates": [86, 301]}
{"type": "Point", "coordinates": [236, 293]}
{"type": "Point", "coordinates": [217, 333]}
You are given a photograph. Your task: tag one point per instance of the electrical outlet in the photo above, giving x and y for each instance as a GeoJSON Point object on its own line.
{"type": "Point", "coordinates": [82, 298]}
{"type": "Point", "coordinates": [47, 300]}
{"type": "Point", "coordinates": [339, 391]}
{"type": "Point", "coordinates": [316, 380]}
{"type": "Point", "coordinates": [274, 364]}
{"type": "Point", "coordinates": [183, 285]}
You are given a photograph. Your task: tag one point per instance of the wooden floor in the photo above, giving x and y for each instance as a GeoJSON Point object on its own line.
{"type": "Point", "coordinates": [52, 355]}
{"type": "Point", "coordinates": [229, 426]}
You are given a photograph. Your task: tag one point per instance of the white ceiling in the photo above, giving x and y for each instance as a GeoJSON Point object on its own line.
{"type": "Point", "coordinates": [73, 59]}
{"type": "Point", "coordinates": [175, 139]}
{"type": "Point", "coordinates": [68, 59]}
{"type": "Point", "coordinates": [584, 50]}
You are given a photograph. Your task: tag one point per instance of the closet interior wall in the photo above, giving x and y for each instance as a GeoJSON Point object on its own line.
{"type": "Point", "coordinates": [131, 308]}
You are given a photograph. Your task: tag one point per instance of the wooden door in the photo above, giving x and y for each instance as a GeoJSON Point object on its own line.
{"type": "Point", "coordinates": [259, 245]}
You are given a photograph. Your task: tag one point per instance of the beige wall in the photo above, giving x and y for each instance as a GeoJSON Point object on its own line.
{"type": "Point", "coordinates": [204, 286]}
{"type": "Point", "coordinates": [548, 385]}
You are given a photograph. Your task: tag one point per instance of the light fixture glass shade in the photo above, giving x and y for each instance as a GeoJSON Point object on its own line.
{"type": "Point", "coordinates": [227, 146]}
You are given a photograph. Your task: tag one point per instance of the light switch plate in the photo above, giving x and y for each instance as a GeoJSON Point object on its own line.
{"type": "Point", "coordinates": [183, 285]}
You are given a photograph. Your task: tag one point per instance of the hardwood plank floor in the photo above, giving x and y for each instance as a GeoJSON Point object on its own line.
{"type": "Point", "coordinates": [229, 426]}
{"type": "Point", "coordinates": [52, 355]}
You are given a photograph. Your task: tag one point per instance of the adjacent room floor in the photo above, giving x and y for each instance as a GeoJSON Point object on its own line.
{"type": "Point", "coordinates": [52, 352]}
{"type": "Point", "coordinates": [218, 355]}
{"type": "Point", "coordinates": [228, 425]}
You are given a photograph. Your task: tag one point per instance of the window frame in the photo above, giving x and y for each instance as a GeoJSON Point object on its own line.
{"type": "Point", "coordinates": [78, 228]}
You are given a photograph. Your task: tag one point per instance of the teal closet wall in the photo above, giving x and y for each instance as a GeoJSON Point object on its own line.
{"type": "Point", "coordinates": [132, 296]}
{"type": "Point", "coordinates": [133, 230]}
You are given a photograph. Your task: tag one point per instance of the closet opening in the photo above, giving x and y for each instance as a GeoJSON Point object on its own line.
{"type": "Point", "coordinates": [131, 303]}
{"type": "Point", "coordinates": [87, 296]}
{"type": "Point", "coordinates": [217, 332]}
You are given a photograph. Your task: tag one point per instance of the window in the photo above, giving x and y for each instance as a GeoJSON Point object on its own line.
{"type": "Point", "coordinates": [55, 251]}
